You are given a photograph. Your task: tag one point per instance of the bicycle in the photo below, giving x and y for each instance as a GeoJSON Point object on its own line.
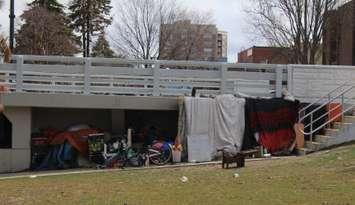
{"type": "Point", "coordinates": [159, 153]}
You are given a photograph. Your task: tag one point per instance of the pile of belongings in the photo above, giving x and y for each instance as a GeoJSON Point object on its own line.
{"type": "Point", "coordinates": [65, 146]}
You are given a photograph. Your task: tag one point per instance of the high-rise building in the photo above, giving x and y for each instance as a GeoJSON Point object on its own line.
{"type": "Point", "coordinates": [184, 40]}
{"type": "Point", "coordinates": [222, 45]}
{"type": "Point", "coordinates": [339, 36]}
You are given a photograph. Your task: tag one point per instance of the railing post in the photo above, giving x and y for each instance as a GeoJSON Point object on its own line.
{"type": "Point", "coordinates": [329, 99]}
{"type": "Point", "coordinates": [289, 69]}
{"type": "Point", "coordinates": [342, 107]}
{"type": "Point", "coordinates": [156, 80]}
{"type": "Point", "coordinates": [19, 73]}
{"type": "Point", "coordinates": [279, 72]}
{"type": "Point", "coordinates": [224, 70]}
{"type": "Point", "coordinates": [87, 66]}
{"type": "Point", "coordinates": [311, 129]}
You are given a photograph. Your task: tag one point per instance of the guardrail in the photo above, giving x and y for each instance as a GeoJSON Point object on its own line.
{"type": "Point", "coordinates": [106, 76]}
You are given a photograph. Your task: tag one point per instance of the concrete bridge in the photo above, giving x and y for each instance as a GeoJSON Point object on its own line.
{"type": "Point", "coordinates": [59, 91]}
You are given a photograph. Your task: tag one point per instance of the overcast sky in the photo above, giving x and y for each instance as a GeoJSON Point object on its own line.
{"type": "Point", "coordinates": [228, 15]}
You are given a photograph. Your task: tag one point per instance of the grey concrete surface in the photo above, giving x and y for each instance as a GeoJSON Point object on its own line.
{"type": "Point", "coordinates": [21, 118]}
{"type": "Point", "coordinates": [89, 101]}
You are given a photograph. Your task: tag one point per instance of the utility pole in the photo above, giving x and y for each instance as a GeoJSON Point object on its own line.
{"type": "Point", "coordinates": [12, 24]}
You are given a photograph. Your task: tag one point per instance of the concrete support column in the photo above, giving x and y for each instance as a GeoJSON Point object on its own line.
{"type": "Point", "coordinates": [117, 121]}
{"type": "Point", "coordinates": [20, 118]}
{"type": "Point", "coordinates": [19, 157]}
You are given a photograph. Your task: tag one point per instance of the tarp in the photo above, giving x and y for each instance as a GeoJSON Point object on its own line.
{"type": "Point", "coordinates": [199, 128]}
{"type": "Point", "coordinates": [212, 124]}
{"type": "Point", "coordinates": [229, 121]}
{"type": "Point", "coordinates": [77, 139]}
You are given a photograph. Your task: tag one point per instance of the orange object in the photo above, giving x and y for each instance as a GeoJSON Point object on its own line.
{"type": "Point", "coordinates": [299, 129]}
{"type": "Point", "coordinates": [77, 139]}
{"type": "Point", "coordinates": [335, 110]}
{"type": "Point", "coordinates": [3, 88]}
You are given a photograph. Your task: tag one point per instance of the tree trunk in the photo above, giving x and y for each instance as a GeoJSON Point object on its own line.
{"type": "Point", "coordinates": [88, 30]}
{"type": "Point", "coordinates": [88, 43]}
{"type": "Point", "coordinates": [84, 43]}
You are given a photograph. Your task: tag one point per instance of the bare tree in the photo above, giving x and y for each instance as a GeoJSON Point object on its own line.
{"type": "Point", "coordinates": [137, 23]}
{"type": "Point", "coordinates": [296, 24]}
{"type": "Point", "coordinates": [1, 4]}
{"type": "Point", "coordinates": [137, 27]}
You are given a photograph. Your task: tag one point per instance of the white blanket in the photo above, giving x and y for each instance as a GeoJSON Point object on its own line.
{"type": "Point", "coordinates": [199, 128]}
{"type": "Point", "coordinates": [212, 124]}
{"type": "Point", "coordinates": [229, 121]}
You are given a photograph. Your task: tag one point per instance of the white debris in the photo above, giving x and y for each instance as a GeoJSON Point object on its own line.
{"type": "Point", "coordinates": [236, 175]}
{"type": "Point", "coordinates": [340, 158]}
{"type": "Point", "coordinates": [184, 179]}
{"type": "Point", "coordinates": [33, 176]}
{"type": "Point", "coordinates": [267, 155]}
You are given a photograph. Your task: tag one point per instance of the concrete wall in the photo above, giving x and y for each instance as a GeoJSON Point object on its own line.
{"type": "Point", "coordinates": [14, 160]}
{"type": "Point", "coordinates": [19, 157]}
{"type": "Point", "coordinates": [311, 84]}
{"type": "Point", "coordinates": [21, 126]}
{"type": "Point", "coordinates": [22, 99]}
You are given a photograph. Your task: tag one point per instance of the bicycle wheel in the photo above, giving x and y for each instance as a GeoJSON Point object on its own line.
{"type": "Point", "coordinates": [160, 156]}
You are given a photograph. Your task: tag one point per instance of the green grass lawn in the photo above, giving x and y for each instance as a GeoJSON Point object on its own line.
{"type": "Point", "coordinates": [323, 178]}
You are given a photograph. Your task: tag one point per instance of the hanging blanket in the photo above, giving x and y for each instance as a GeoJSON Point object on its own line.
{"type": "Point", "coordinates": [229, 121]}
{"type": "Point", "coordinates": [212, 124]}
{"type": "Point", "coordinates": [273, 119]}
{"type": "Point", "coordinates": [199, 128]}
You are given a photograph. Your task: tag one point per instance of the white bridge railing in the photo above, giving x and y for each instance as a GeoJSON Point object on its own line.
{"type": "Point", "coordinates": [89, 76]}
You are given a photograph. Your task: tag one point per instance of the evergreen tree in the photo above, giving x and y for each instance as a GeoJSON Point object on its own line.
{"type": "Point", "coordinates": [1, 3]}
{"type": "Point", "coordinates": [51, 5]}
{"type": "Point", "coordinates": [102, 48]}
{"type": "Point", "coordinates": [45, 33]}
{"type": "Point", "coordinates": [89, 17]}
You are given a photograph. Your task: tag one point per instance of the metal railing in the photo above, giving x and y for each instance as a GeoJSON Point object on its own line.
{"type": "Point", "coordinates": [340, 100]}
{"type": "Point", "coordinates": [321, 100]}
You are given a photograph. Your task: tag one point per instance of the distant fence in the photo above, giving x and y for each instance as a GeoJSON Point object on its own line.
{"type": "Point", "coordinates": [103, 76]}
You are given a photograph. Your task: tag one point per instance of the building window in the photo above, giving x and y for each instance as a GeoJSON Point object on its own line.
{"type": "Point", "coordinates": [5, 132]}
{"type": "Point", "coordinates": [250, 52]}
{"type": "Point", "coordinates": [208, 36]}
{"type": "Point", "coordinates": [207, 50]}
